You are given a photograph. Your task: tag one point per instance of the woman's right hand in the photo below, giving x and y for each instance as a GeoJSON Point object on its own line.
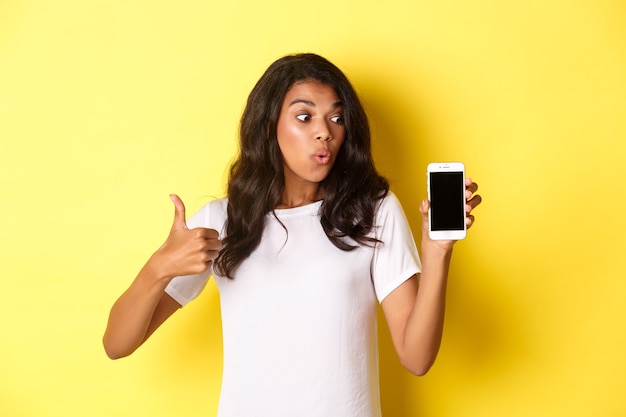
{"type": "Point", "coordinates": [186, 251]}
{"type": "Point", "coordinates": [144, 306]}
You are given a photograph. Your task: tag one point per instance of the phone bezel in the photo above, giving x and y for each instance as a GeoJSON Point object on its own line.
{"type": "Point", "coordinates": [434, 167]}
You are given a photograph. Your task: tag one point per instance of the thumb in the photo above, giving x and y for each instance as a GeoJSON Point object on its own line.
{"type": "Point", "coordinates": [424, 207]}
{"type": "Point", "coordinates": [179, 213]}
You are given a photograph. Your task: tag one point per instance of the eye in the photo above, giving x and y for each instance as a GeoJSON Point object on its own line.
{"type": "Point", "coordinates": [303, 117]}
{"type": "Point", "coordinates": [337, 119]}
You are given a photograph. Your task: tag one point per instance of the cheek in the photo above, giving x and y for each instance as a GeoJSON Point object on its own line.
{"type": "Point", "coordinates": [289, 145]}
{"type": "Point", "coordinates": [287, 133]}
{"type": "Point", "coordinates": [339, 139]}
{"type": "Point", "coordinates": [339, 132]}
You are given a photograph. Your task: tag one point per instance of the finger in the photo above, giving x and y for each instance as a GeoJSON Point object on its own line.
{"type": "Point", "coordinates": [212, 245]}
{"type": "Point", "coordinates": [179, 213]}
{"type": "Point", "coordinates": [206, 233]}
{"type": "Point", "coordinates": [470, 186]}
{"type": "Point", "coordinates": [212, 255]}
{"type": "Point", "coordinates": [473, 202]}
{"type": "Point", "coordinates": [210, 234]}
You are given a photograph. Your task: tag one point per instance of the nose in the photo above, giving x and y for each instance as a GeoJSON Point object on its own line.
{"type": "Point", "coordinates": [323, 132]}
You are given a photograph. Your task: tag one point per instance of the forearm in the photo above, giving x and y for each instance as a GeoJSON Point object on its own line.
{"type": "Point", "coordinates": [424, 328]}
{"type": "Point", "coordinates": [415, 311]}
{"type": "Point", "coordinates": [144, 306]}
{"type": "Point", "coordinates": [132, 314]}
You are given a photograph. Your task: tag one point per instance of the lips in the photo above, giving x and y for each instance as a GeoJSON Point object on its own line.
{"type": "Point", "coordinates": [322, 156]}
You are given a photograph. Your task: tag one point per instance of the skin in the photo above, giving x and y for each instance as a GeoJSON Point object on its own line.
{"type": "Point", "coordinates": [144, 306]}
{"type": "Point", "coordinates": [415, 310]}
{"type": "Point", "coordinates": [310, 132]}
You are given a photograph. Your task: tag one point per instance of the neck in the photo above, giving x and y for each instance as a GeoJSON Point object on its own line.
{"type": "Point", "coordinates": [300, 197]}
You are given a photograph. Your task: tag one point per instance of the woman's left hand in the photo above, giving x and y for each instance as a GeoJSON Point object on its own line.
{"type": "Point", "coordinates": [472, 200]}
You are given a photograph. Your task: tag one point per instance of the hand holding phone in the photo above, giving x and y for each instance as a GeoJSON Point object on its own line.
{"type": "Point", "coordinates": [446, 192]}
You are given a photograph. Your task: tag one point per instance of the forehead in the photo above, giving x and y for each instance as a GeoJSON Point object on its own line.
{"type": "Point", "coordinates": [311, 90]}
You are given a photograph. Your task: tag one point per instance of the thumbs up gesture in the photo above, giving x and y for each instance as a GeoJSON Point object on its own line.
{"type": "Point", "coordinates": [186, 251]}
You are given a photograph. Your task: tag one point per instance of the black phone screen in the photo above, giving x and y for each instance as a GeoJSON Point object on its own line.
{"type": "Point", "coordinates": [447, 201]}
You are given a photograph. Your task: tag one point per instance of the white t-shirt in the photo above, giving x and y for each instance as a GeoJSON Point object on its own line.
{"type": "Point", "coordinates": [299, 318]}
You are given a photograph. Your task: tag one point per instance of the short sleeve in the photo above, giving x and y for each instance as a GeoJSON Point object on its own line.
{"type": "Point", "coordinates": [395, 258]}
{"type": "Point", "coordinates": [185, 288]}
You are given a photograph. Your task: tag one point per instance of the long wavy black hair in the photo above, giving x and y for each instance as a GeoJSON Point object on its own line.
{"type": "Point", "coordinates": [353, 187]}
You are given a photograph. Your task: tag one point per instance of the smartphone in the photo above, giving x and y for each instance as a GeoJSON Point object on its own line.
{"type": "Point", "coordinates": [446, 192]}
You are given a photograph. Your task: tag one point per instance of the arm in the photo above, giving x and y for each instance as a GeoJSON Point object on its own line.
{"type": "Point", "coordinates": [144, 306]}
{"type": "Point", "coordinates": [139, 311]}
{"type": "Point", "coordinates": [415, 310]}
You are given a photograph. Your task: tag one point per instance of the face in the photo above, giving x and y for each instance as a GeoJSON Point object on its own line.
{"type": "Point", "coordinates": [310, 132]}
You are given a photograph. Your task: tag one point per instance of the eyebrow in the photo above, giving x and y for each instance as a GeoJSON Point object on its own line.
{"type": "Point", "coordinates": [311, 104]}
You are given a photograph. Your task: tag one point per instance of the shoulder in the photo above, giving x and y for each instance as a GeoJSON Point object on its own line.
{"type": "Point", "coordinates": [218, 205]}
{"type": "Point", "coordinates": [391, 198]}
{"type": "Point", "coordinates": [389, 213]}
{"type": "Point", "coordinates": [211, 215]}
{"type": "Point", "coordinates": [389, 204]}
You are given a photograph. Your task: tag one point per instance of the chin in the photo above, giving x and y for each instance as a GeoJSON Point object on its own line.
{"type": "Point", "coordinates": [318, 178]}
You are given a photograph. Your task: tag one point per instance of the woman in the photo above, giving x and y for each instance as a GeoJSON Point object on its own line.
{"type": "Point", "coordinates": [306, 243]}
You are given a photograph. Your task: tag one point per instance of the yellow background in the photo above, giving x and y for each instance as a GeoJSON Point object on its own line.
{"type": "Point", "coordinates": [106, 107]}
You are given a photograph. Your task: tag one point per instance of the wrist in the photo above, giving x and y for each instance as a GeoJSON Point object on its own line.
{"type": "Point", "coordinates": [155, 271]}
{"type": "Point", "coordinates": [437, 248]}
{"type": "Point", "coordinates": [435, 261]}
